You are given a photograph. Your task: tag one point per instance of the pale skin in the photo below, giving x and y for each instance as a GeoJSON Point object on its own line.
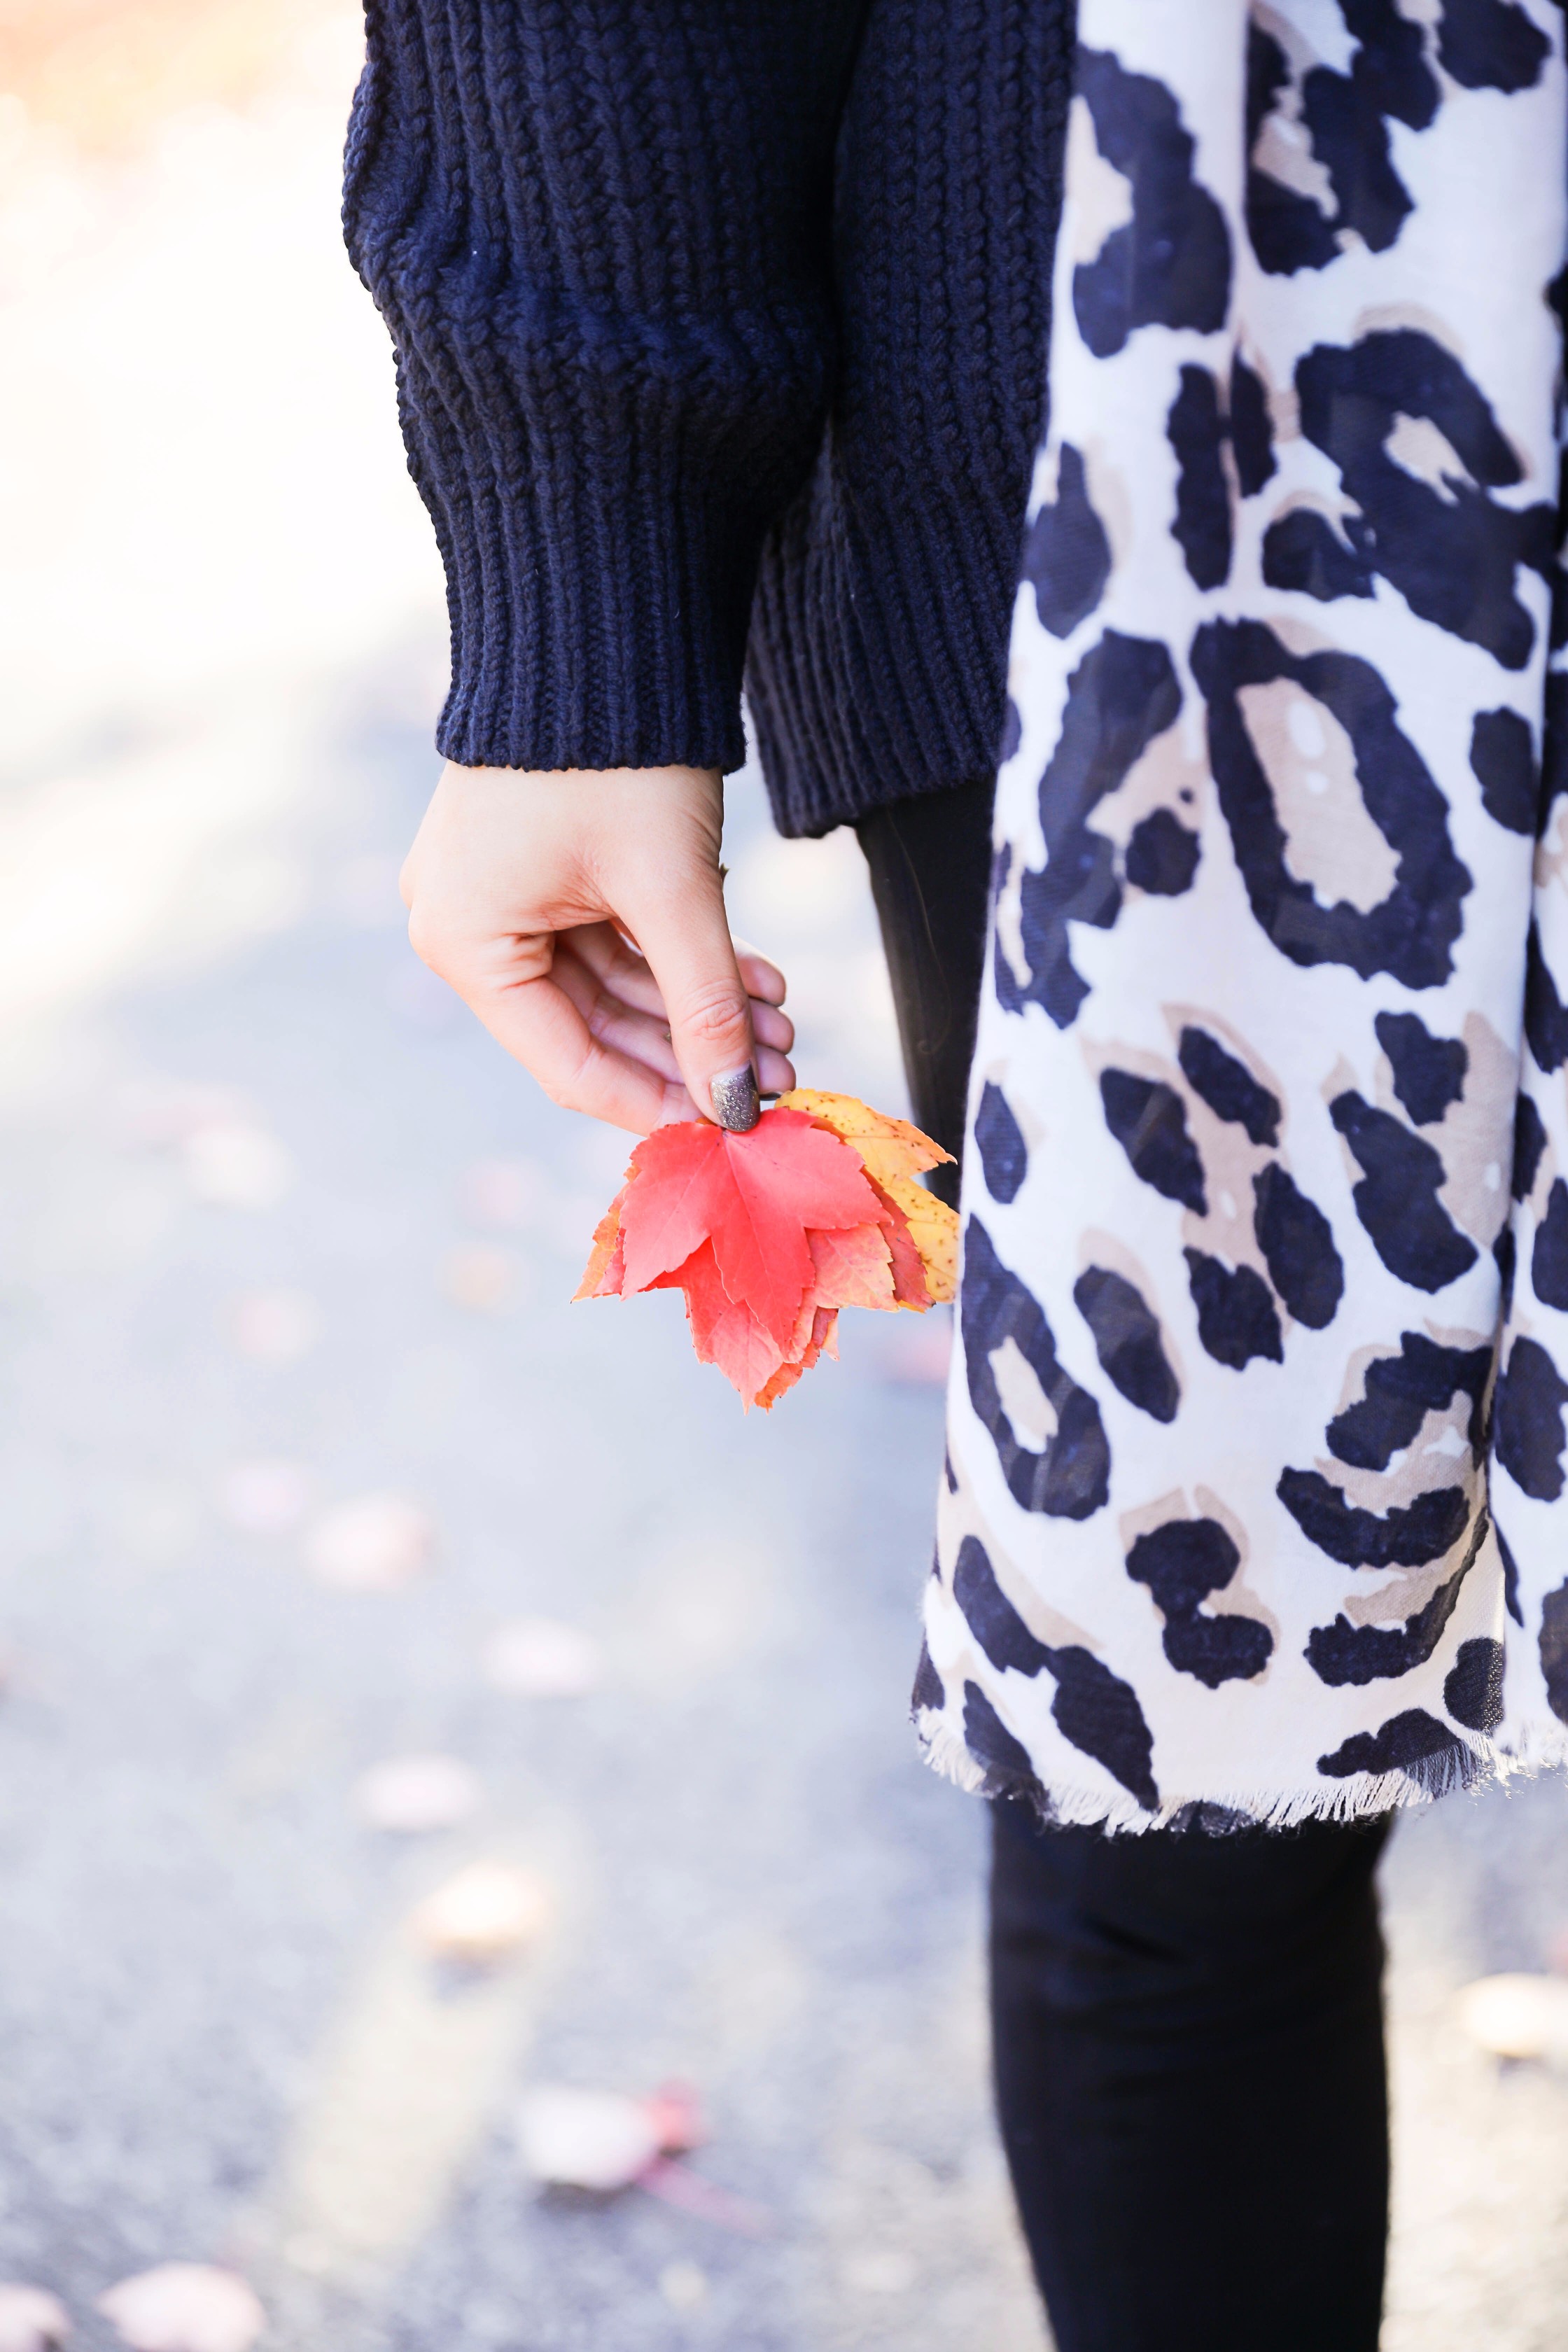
{"type": "Point", "coordinates": [525, 889]}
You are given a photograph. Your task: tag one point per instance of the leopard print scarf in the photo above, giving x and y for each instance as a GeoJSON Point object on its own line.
{"type": "Point", "coordinates": [1256, 1430]}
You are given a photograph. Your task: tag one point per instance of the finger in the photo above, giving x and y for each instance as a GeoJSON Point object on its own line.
{"type": "Point", "coordinates": [628, 1077]}
{"type": "Point", "coordinates": [684, 936]}
{"type": "Point", "coordinates": [775, 1072]}
{"type": "Point", "coordinates": [611, 952]}
{"type": "Point", "coordinates": [645, 1037]}
{"type": "Point", "coordinates": [605, 953]}
{"type": "Point", "coordinates": [763, 978]}
{"type": "Point", "coordinates": [608, 971]}
{"type": "Point", "coordinates": [772, 1027]}
{"type": "Point", "coordinates": [536, 1021]}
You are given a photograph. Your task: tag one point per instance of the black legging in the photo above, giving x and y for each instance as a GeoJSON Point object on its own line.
{"type": "Point", "coordinates": [1187, 2029]}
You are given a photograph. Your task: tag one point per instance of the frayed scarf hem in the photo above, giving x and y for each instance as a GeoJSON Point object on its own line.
{"type": "Point", "coordinates": [1361, 1796]}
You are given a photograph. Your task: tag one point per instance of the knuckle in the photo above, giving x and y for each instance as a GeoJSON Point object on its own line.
{"type": "Point", "coordinates": [568, 1088]}
{"type": "Point", "coordinates": [424, 937]}
{"type": "Point", "coordinates": [711, 1015]}
{"type": "Point", "coordinates": [562, 1087]}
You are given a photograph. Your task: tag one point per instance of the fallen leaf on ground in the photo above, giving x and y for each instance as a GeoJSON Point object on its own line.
{"type": "Point", "coordinates": [1517, 2016]}
{"type": "Point", "coordinates": [484, 1911]}
{"type": "Point", "coordinates": [416, 1793]}
{"type": "Point", "coordinates": [185, 2307]}
{"type": "Point", "coordinates": [677, 2116]}
{"type": "Point", "coordinates": [539, 1657]}
{"type": "Point", "coordinates": [372, 1544]}
{"type": "Point", "coordinates": [604, 2141]}
{"type": "Point", "coordinates": [586, 2139]}
{"type": "Point", "coordinates": [31, 2319]}
{"type": "Point", "coordinates": [692, 2192]}
{"type": "Point", "coordinates": [768, 1234]}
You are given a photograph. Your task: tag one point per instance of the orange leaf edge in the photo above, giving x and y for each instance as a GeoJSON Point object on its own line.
{"type": "Point", "coordinates": [606, 1264]}
{"type": "Point", "coordinates": [825, 1321]}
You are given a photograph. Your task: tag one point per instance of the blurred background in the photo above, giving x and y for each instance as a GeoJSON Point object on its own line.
{"type": "Point", "coordinates": [424, 1703]}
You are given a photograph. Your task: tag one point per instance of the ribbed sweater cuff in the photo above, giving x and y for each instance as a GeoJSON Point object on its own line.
{"type": "Point", "coordinates": [599, 578]}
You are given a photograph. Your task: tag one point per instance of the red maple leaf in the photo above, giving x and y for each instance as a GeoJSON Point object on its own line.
{"type": "Point", "coordinates": [853, 1268]}
{"type": "Point", "coordinates": [824, 1324]}
{"type": "Point", "coordinates": [723, 1332]}
{"type": "Point", "coordinates": [752, 1196]}
{"type": "Point", "coordinates": [768, 1234]}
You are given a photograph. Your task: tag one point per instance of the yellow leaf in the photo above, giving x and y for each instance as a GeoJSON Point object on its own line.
{"type": "Point", "coordinates": [894, 1153]}
{"type": "Point", "coordinates": [889, 1147]}
{"type": "Point", "coordinates": [934, 1229]}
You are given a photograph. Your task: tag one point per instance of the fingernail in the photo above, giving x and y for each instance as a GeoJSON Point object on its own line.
{"type": "Point", "coordinates": [734, 1101]}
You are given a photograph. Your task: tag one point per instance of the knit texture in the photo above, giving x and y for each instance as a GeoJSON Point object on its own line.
{"type": "Point", "coordinates": [684, 290]}
{"type": "Point", "coordinates": [879, 636]}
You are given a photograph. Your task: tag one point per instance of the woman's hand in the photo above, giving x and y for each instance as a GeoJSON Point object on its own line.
{"type": "Point", "coordinates": [523, 890]}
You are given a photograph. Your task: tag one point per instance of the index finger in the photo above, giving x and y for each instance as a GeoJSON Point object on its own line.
{"type": "Point", "coordinates": [761, 975]}
{"type": "Point", "coordinates": [537, 1024]}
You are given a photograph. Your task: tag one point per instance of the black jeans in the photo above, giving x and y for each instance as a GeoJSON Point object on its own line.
{"type": "Point", "coordinates": [1187, 2029]}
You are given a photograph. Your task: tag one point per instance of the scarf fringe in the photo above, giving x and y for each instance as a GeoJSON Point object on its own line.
{"type": "Point", "coordinates": [1359, 1796]}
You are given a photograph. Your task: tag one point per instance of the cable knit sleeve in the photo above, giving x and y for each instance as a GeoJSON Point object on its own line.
{"type": "Point", "coordinates": [599, 232]}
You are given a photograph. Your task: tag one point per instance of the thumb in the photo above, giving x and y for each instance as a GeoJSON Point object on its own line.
{"type": "Point", "coordinates": [686, 938]}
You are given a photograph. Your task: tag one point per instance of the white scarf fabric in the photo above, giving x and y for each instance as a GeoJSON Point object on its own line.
{"type": "Point", "coordinates": [1256, 1428]}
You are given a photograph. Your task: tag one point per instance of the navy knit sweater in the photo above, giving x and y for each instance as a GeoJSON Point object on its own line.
{"type": "Point", "coordinates": [721, 330]}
